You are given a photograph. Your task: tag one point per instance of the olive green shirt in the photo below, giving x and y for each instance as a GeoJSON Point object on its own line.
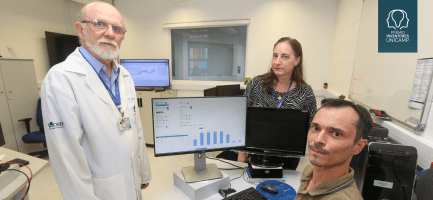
{"type": "Point", "coordinates": [341, 188]}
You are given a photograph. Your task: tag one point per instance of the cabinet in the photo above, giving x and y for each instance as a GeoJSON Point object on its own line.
{"type": "Point", "coordinates": [18, 99]}
{"type": "Point", "coordinates": [146, 111]}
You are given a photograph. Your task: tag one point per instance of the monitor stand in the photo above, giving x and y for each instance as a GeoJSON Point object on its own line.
{"type": "Point", "coordinates": [200, 171]}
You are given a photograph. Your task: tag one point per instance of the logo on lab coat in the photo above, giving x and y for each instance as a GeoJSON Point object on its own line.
{"type": "Point", "coordinates": [52, 125]}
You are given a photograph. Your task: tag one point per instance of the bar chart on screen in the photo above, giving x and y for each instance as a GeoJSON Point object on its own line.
{"type": "Point", "coordinates": [195, 124]}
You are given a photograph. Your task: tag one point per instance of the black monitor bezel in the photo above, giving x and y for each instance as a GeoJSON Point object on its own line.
{"type": "Point", "coordinates": [197, 151]}
{"type": "Point", "coordinates": [144, 87]}
{"type": "Point", "coordinates": [277, 152]}
{"type": "Point", "coordinates": [2, 138]}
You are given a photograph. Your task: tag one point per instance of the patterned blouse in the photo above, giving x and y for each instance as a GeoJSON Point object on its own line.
{"type": "Point", "coordinates": [297, 98]}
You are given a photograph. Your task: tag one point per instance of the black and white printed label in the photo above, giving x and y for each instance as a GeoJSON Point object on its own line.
{"type": "Point", "coordinates": [383, 184]}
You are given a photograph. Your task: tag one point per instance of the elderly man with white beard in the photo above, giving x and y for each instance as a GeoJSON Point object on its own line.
{"type": "Point", "coordinates": [91, 118]}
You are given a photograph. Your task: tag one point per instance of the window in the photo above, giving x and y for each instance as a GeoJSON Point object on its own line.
{"type": "Point", "coordinates": [209, 54]}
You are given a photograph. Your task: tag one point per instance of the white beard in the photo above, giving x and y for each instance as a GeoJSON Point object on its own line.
{"type": "Point", "coordinates": [104, 54]}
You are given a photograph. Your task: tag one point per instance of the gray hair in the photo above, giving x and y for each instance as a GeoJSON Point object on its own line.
{"type": "Point", "coordinates": [80, 19]}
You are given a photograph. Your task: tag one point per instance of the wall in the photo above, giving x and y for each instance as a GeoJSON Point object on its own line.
{"type": "Point", "coordinates": [343, 56]}
{"type": "Point", "coordinates": [24, 23]}
{"type": "Point", "coordinates": [311, 22]}
{"type": "Point", "coordinates": [344, 46]}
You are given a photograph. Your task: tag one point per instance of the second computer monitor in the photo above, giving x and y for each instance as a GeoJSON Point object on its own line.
{"type": "Point", "coordinates": [198, 124]}
{"type": "Point", "coordinates": [282, 132]}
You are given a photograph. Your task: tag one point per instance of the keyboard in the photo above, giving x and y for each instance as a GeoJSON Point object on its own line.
{"type": "Point", "coordinates": [248, 194]}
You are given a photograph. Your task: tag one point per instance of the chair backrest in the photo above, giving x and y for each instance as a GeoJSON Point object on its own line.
{"type": "Point", "coordinates": [424, 185]}
{"type": "Point", "coordinates": [39, 120]}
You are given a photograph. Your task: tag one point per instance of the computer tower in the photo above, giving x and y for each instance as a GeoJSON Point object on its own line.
{"type": "Point", "coordinates": [390, 172]}
{"type": "Point", "coordinates": [358, 163]}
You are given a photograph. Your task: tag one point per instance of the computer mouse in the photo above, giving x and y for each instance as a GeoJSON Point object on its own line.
{"type": "Point", "coordinates": [269, 188]}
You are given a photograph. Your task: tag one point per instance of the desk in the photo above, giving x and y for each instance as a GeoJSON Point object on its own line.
{"type": "Point", "coordinates": [19, 185]}
{"type": "Point", "coordinates": [292, 178]}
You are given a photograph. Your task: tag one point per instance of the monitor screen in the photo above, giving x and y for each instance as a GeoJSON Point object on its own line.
{"type": "Point", "coordinates": [2, 138]}
{"type": "Point", "coordinates": [277, 130]}
{"type": "Point", "coordinates": [148, 73]}
{"type": "Point", "coordinates": [198, 124]}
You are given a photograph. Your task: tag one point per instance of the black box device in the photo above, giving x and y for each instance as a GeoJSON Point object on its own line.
{"type": "Point", "coordinates": [265, 172]}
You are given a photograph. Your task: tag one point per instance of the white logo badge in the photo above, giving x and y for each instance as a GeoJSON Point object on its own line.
{"type": "Point", "coordinates": [396, 22]}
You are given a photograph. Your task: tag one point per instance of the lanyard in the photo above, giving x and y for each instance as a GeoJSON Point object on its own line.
{"type": "Point", "coordinates": [116, 99]}
{"type": "Point", "coordinates": [282, 100]}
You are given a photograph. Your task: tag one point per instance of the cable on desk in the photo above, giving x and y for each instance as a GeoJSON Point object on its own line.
{"type": "Point", "coordinates": [31, 174]}
{"type": "Point", "coordinates": [225, 162]}
{"type": "Point", "coordinates": [239, 176]}
{"type": "Point", "coordinates": [28, 179]}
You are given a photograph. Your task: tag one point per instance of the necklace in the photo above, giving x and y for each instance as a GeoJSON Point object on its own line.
{"type": "Point", "coordinates": [279, 96]}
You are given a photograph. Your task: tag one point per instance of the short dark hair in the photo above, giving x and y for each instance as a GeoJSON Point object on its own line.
{"type": "Point", "coordinates": [364, 125]}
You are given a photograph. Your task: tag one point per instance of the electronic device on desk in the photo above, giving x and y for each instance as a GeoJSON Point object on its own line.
{"type": "Point", "coordinates": [250, 179]}
{"type": "Point", "coordinates": [390, 171]}
{"type": "Point", "coordinates": [148, 74]}
{"type": "Point", "coordinates": [249, 193]}
{"type": "Point", "coordinates": [197, 125]}
{"type": "Point", "coordinates": [275, 133]}
{"type": "Point", "coordinates": [359, 162]}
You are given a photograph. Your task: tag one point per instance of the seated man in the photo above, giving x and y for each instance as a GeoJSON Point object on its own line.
{"type": "Point", "coordinates": [338, 131]}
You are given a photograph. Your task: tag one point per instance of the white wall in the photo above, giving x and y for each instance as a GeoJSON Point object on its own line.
{"type": "Point", "coordinates": [311, 22]}
{"type": "Point", "coordinates": [23, 25]}
{"type": "Point", "coordinates": [340, 77]}
{"type": "Point", "coordinates": [344, 47]}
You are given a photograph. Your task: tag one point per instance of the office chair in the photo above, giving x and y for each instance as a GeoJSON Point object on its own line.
{"type": "Point", "coordinates": [424, 185]}
{"type": "Point", "coordinates": [36, 136]}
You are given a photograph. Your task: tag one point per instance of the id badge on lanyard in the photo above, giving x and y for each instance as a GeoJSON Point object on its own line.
{"type": "Point", "coordinates": [124, 123]}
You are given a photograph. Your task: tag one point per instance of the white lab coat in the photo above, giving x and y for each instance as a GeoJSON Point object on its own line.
{"type": "Point", "coordinates": [90, 156]}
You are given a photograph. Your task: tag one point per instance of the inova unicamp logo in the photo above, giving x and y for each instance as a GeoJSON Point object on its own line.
{"type": "Point", "coordinates": [396, 34]}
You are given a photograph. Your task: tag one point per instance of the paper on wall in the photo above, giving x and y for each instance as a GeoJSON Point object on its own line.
{"type": "Point", "coordinates": [421, 83]}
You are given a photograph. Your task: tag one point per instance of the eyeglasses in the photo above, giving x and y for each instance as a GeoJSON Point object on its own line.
{"type": "Point", "coordinates": [99, 24]}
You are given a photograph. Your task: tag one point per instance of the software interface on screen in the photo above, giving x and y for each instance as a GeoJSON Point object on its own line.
{"type": "Point", "coordinates": [148, 73]}
{"type": "Point", "coordinates": [195, 124]}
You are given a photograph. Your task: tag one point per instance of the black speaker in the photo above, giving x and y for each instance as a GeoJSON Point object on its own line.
{"type": "Point", "coordinates": [390, 172]}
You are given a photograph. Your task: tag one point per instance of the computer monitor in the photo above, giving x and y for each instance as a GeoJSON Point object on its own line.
{"type": "Point", "coordinates": [224, 90]}
{"type": "Point", "coordinates": [228, 90]}
{"type": "Point", "coordinates": [276, 132]}
{"type": "Point", "coordinates": [210, 92]}
{"type": "Point", "coordinates": [148, 73]}
{"type": "Point", "coordinates": [196, 125]}
{"type": "Point", "coordinates": [2, 138]}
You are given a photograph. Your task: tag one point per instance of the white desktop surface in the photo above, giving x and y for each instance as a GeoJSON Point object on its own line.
{"type": "Point", "coordinates": [35, 164]}
{"type": "Point", "coordinates": [292, 178]}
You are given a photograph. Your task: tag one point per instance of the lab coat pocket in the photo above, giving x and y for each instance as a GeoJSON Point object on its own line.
{"type": "Point", "coordinates": [110, 188]}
